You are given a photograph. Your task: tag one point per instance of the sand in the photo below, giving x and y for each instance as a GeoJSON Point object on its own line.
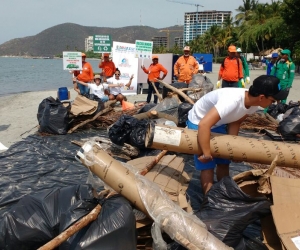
{"type": "Point", "coordinates": [18, 113]}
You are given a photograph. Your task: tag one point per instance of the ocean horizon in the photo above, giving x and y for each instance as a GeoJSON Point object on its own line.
{"type": "Point", "coordinates": [20, 75]}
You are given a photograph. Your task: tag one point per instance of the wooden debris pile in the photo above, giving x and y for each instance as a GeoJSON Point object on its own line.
{"type": "Point", "coordinates": [260, 121]}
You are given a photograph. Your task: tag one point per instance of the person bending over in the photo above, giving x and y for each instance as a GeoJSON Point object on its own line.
{"type": "Point", "coordinates": [222, 111]}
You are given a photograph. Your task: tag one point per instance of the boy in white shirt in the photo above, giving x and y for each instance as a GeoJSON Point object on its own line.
{"type": "Point", "coordinates": [227, 106]}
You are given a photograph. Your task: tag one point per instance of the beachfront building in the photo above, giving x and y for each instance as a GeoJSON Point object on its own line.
{"type": "Point", "coordinates": [160, 41]}
{"type": "Point", "coordinates": [89, 43]}
{"type": "Point", "coordinates": [196, 23]}
{"type": "Point", "coordinates": [179, 42]}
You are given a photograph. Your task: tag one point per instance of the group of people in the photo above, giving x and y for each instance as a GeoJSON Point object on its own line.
{"type": "Point", "coordinates": [105, 86]}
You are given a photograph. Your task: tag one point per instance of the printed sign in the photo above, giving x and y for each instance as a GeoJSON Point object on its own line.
{"type": "Point", "coordinates": [72, 60]}
{"type": "Point", "coordinates": [124, 59]}
{"type": "Point", "coordinates": [143, 49]}
{"type": "Point", "coordinates": [102, 43]}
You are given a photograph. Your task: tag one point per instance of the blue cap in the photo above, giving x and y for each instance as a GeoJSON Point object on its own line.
{"type": "Point", "coordinates": [274, 55]}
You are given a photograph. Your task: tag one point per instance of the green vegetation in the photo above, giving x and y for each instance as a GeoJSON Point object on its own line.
{"type": "Point", "coordinates": [257, 27]}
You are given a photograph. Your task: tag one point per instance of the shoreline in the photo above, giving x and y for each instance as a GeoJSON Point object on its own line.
{"type": "Point", "coordinates": [18, 113]}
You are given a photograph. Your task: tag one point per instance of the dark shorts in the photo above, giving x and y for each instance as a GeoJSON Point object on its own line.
{"type": "Point", "coordinates": [212, 164]}
{"type": "Point", "coordinates": [229, 84]}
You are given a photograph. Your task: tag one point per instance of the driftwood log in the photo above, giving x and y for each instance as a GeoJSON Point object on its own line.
{"type": "Point", "coordinates": [155, 115]}
{"type": "Point", "coordinates": [58, 240]}
{"type": "Point", "coordinates": [157, 93]}
{"type": "Point", "coordinates": [178, 91]}
{"type": "Point", "coordinates": [153, 163]}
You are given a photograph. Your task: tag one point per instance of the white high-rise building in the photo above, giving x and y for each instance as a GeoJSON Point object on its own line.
{"type": "Point", "coordinates": [196, 23]}
{"type": "Point", "coordinates": [89, 43]}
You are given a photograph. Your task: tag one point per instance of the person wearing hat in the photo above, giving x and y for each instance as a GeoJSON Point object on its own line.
{"type": "Point", "coordinates": [85, 75]}
{"type": "Point", "coordinates": [108, 67]}
{"type": "Point", "coordinates": [97, 88]}
{"type": "Point", "coordinates": [223, 111]}
{"type": "Point", "coordinates": [272, 63]}
{"type": "Point", "coordinates": [245, 69]}
{"type": "Point", "coordinates": [231, 70]}
{"type": "Point", "coordinates": [284, 70]}
{"type": "Point", "coordinates": [153, 72]}
{"type": "Point", "coordinates": [186, 66]}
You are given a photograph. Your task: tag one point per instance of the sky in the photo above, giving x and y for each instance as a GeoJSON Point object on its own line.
{"type": "Point", "coordinates": [21, 18]}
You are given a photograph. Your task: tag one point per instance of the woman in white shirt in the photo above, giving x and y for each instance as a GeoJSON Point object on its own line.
{"type": "Point", "coordinates": [116, 86]}
{"type": "Point", "coordinates": [98, 89]}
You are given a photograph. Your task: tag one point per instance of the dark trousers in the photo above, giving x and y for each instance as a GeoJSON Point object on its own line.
{"type": "Point", "coordinates": [151, 90]}
{"type": "Point", "coordinates": [228, 84]}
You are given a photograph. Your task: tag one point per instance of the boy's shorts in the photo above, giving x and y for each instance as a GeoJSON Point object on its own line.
{"type": "Point", "coordinates": [212, 164]}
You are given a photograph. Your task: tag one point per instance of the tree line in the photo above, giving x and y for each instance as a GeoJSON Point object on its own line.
{"type": "Point", "coordinates": [255, 28]}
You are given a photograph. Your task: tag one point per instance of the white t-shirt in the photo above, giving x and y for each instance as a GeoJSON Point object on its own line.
{"type": "Point", "coordinates": [116, 90]}
{"type": "Point", "coordinates": [98, 90]}
{"type": "Point", "coordinates": [229, 102]}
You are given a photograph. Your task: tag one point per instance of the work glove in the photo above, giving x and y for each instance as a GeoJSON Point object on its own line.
{"type": "Point", "coordinates": [243, 83]}
{"type": "Point", "coordinates": [218, 84]}
{"type": "Point", "coordinates": [247, 80]}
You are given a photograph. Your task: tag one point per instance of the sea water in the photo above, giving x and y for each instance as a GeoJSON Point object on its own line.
{"type": "Point", "coordinates": [18, 74]}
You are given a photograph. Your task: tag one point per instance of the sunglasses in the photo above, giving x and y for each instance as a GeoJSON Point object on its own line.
{"type": "Point", "coordinates": [117, 74]}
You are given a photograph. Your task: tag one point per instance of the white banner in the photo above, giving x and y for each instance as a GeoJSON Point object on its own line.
{"type": "Point", "coordinates": [124, 59]}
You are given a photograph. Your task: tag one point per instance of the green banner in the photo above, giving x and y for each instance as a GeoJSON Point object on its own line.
{"type": "Point", "coordinates": [102, 43]}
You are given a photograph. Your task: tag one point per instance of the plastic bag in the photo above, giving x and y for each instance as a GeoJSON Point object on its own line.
{"type": "Point", "coordinates": [290, 126]}
{"type": "Point", "coordinates": [53, 116]}
{"type": "Point", "coordinates": [130, 130]}
{"type": "Point", "coordinates": [48, 213]}
{"type": "Point", "coordinates": [227, 211]}
{"type": "Point", "coordinates": [183, 111]}
{"type": "Point", "coordinates": [275, 109]}
{"type": "Point", "coordinates": [178, 85]}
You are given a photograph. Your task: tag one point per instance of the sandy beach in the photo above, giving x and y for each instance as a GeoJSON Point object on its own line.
{"type": "Point", "coordinates": [18, 113]}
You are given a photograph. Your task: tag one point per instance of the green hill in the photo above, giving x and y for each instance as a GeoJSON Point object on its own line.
{"type": "Point", "coordinates": [70, 36]}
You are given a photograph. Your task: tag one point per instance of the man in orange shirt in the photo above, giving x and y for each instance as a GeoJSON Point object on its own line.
{"type": "Point", "coordinates": [186, 66]}
{"type": "Point", "coordinates": [231, 70]}
{"type": "Point", "coordinates": [85, 75]}
{"type": "Point", "coordinates": [154, 73]}
{"type": "Point", "coordinates": [108, 67]}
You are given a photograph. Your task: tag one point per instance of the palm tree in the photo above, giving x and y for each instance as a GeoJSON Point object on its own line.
{"type": "Point", "coordinates": [245, 11]}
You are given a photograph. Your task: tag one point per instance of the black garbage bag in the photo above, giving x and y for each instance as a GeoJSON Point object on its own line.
{"type": "Point", "coordinates": [53, 116]}
{"type": "Point", "coordinates": [36, 219]}
{"type": "Point", "coordinates": [227, 211]}
{"type": "Point", "coordinates": [138, 134]}
{"type": "Point", "coordinates": [290, 126]}
{"type": "Point", "coordinates": [115, 221]}
{"type": "Point", "coordinates": [100, 103]}
{"type": "Point", "coordinates": [129, 130]}
{"type": "Point", "coordinates": [119, 132]}
{"type": "Point", "coordinates": [183, 110]}
{"type": "Point", "coordinates": [275, 109]}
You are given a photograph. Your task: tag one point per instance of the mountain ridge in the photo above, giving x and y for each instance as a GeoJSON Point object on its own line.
{"type": "Point", "coordinates": [71, 36]}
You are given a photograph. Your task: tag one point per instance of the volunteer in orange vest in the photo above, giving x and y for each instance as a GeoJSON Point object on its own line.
{"type": "Point", "coordinates": [85, 75]}
{"type": "Point", "coordinates": [231, 70]}
{"type": "Point", "coordinates": [108, 67]}
{"type": "Point", "coordinates": [186, 66]}
{"type": "Point", "coordinates": [154, 73]}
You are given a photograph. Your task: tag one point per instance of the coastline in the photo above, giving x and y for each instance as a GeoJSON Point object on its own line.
{"type": "Point", "coordinates": [18, 113]}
